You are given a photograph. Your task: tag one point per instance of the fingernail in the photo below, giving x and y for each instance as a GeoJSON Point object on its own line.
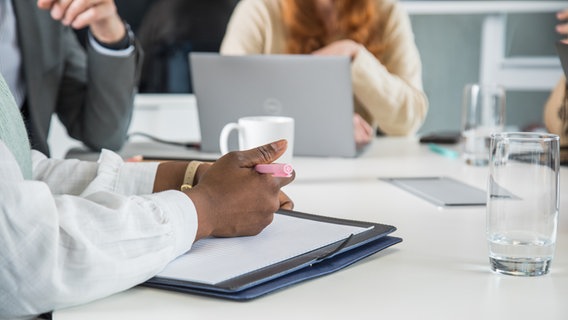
{"type": "Point", "coordinates": [279, 145]}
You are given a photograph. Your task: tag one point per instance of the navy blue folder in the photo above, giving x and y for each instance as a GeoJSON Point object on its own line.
{"type": "Point", "coordinates": [316, 263]}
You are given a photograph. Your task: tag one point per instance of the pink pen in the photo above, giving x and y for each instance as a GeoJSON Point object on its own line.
{"type": "Point", "coordinates": [277, 169]}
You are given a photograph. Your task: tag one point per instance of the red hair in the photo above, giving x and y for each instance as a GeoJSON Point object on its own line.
{"type": "Point", "coordinates": [357, 20]}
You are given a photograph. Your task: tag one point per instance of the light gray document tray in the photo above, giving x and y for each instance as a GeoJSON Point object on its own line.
{"type": "Point", "coordinates": [441, 191]}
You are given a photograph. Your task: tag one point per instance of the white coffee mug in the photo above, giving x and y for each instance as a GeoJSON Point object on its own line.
{"type": "Point", "coordinates": [260, 130]}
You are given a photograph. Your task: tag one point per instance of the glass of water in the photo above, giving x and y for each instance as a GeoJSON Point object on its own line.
{"type": "Point", "coordinates": [522, 202]}
{"type": "Point", "coordinates": [483, 113]}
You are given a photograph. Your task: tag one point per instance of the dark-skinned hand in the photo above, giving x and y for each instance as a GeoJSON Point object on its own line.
{"type": "Point", "coordinates": [232, 199]}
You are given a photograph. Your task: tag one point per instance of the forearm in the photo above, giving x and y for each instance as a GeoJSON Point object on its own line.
{"type": "Point", "coordinates": [59, 251]}
{"type": "Point", "coordinates": [71, 258]}
{"type": "Point", "coordinates": [110, 173]}
{"type": "Point", "coordinates": [389, 86]}
{"type": "Point", "coordinates": [96, 94]}
{"type": "Point", "coordinates": [109, 99]}
{"type": "Point", "coordinates": [170, 175]}
{"type": "Point", "coordinates": [397, 105]}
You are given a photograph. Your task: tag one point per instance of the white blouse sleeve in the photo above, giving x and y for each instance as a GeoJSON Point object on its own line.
{"type": "Point", "coordinates": [110, 173]}
{"type": "Point", "coordinates": [58, 250]}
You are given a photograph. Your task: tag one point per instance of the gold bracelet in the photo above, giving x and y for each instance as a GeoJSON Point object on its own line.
{"type": "Point", "coordinates": [190, 175]}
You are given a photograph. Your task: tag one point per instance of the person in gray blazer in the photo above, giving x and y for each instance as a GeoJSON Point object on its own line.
{"type": "Point", "coordinates": [91, 90]}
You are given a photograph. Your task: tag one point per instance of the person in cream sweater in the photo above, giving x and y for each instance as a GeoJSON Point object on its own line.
{"type": "Point", "coordinates": [377, 35]}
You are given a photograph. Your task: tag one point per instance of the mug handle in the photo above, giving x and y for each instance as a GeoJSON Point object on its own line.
{"type": "Point", "coordinates": [224, 137]}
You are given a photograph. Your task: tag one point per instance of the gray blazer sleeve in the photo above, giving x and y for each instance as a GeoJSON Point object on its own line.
{"type": "Point", "coordinates": [96, 106]}
{"type": "Point", "coordinates": [91, 93]}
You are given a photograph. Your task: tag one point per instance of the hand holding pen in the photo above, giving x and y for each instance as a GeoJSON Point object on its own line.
{"type": "Point", "coordinates": [233, 200]}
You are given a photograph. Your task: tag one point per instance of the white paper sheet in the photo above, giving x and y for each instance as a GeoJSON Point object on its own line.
{"type": "Point", "coordinates": [214, 260]}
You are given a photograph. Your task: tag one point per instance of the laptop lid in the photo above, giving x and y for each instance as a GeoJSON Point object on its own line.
{"type": "Point", "coordinates": [314, 90]}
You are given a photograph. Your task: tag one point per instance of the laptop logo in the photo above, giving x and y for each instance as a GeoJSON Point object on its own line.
{"type": "Point", "coordinates": [272, 106]}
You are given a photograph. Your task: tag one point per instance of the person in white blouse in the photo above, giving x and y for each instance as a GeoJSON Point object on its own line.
{"type": "Point", "coordinates": [74, 231]}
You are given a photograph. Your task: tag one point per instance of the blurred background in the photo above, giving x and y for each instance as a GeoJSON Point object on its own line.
{"type": "Point", "coordinates": [449, 44]}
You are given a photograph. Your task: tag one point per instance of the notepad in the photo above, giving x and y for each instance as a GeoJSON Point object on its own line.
{"type": "Point", "coordinates": [215, 260]}
{"type": "Point", "coordinates": [295, 247]}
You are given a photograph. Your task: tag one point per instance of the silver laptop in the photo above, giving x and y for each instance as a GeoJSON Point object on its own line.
{"type": "Point", "coordinates": [314, 90]}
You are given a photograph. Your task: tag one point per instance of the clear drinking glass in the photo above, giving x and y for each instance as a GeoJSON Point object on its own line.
{"type": "Point", "coordinates": [483, 113]}
{"type": "Point", "coordinates": [522, 202]}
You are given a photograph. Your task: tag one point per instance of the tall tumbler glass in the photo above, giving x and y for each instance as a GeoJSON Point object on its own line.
{"type": "Point", "coordinates": [483, 113]}
{"type": "Point", "coordinates": [522, 202]}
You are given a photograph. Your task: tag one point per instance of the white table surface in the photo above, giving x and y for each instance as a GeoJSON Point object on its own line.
{"type": "Point", "coordinates": [439, 271]}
